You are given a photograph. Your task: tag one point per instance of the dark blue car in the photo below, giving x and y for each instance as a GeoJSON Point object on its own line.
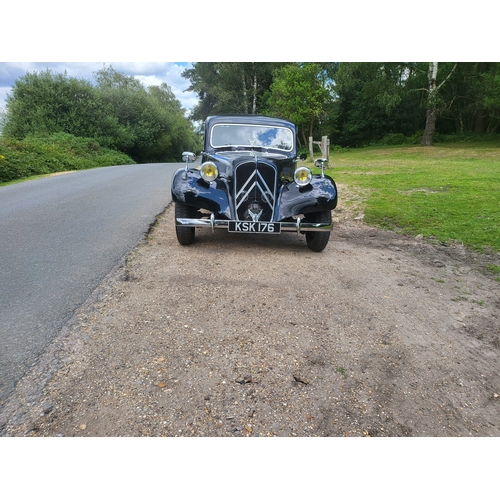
{"type": "Point", "coordinates": [250, 180]}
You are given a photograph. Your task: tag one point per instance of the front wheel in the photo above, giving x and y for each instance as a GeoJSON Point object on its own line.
{"type": "Point", "coordinates": [185, 235]}
{"type": "Point", "coordinates": [317, 241]}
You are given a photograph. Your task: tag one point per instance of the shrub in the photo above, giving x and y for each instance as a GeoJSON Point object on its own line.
{"type": "Point", "coordinates": [55, 153]}
{"type": "Point", "coordinates": [465, 137]}
{"type": "Point", "coordinates": [394, 140]}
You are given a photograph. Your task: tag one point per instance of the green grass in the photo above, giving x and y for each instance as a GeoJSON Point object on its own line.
{"type": "Point", "coordinates": [492, 268]}
{"type": "Point", "coordinates": [449, 193]}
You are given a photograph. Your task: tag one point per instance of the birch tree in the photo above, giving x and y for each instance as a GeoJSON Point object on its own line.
{"type": "Point", "coordinates": [432, 101]}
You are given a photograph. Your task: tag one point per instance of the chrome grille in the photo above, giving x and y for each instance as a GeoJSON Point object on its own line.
{"type": "Point", "coordinates": [255, 183]}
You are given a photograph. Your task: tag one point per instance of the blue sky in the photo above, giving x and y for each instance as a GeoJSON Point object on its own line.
{"type": "Point", "coordinates": [34, 32]}
{"type": "Point", "coordinates": [148, 73]}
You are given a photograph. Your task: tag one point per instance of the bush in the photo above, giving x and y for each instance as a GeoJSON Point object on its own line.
{"type": "Point", "coordinates": [55, 153]}
{"type": "Point", "coordinates": [394, 140]}
{"type": "Point", "coordinates": [462, 137]}
{"type": "Point", "coordinates": [416, 138]}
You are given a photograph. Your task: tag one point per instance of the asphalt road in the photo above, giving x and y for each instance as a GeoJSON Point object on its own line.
{"type": "Point", "coordinates": [59, 237]}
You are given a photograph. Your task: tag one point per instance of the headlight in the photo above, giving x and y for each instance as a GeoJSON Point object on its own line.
{"type": "Point", "coordinates": [209, 171]}
{"type": "Point", "coordinates": [302, 176]}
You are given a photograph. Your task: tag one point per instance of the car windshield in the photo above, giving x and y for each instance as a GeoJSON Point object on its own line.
{"type": "Point", "coordinates": [260, 136]}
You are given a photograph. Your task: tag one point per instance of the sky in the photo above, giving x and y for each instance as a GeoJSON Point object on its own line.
{"type": "Point", "coordinates": [86, 38]}
{"type": "Point", "coordinates": [33, 32]}
{"type": "Point", "coordinates": [148, 73]}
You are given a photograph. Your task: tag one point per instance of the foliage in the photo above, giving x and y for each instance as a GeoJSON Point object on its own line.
{"type": "Point", "coordinates": [471, 100]}
{"type": "Point", "coordinates": [229, 87]}
{"type": "Point", "coordinates": [54, 153]}
{"type": "Point", "coordinates": [394, 140]}
{"type": "Point", "coordinates": [354, 103]}
{"type": "Point", "coordinates": [3, 117]}
{"type": "Point", "coordinates": [117, 111]}
{"type": "Point", "coordinates": [44, 103]}
{"type": "Point", "coordinates": [300, 93]}
{"type": "Point", "coordinates": [376, 99]}
{"type": "Point", "coordinates": [449, 192]}
{"type": "Point", "coordinates": [155, 126]}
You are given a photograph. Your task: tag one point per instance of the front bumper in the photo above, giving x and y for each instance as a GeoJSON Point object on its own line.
{"type": "Point", "coordinates": [214, 223]}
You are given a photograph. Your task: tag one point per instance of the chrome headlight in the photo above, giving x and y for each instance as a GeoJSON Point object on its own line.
{"type": "Point", "coordinates": [302, 176]}
{"type": "Point", "coordinates": [209, 171]}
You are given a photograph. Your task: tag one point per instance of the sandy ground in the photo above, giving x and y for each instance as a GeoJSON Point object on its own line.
{"type": "Point", "coordinates": [248, 335]}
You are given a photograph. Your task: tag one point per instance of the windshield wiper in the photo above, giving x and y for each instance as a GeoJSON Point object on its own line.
{"type": "Point", "coordinates": [251, 148]}
{"type": "Point", "coordinates": [241, 148]}
{"type": "Point", "coordinates": [223, 148]}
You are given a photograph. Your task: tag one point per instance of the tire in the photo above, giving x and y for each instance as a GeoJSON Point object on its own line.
{"type": "Point", "coordinates": [317, 241]}
{"type": "Point", "coordinates": [185, 235]}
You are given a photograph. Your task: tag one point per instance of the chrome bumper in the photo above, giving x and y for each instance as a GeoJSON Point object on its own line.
{"type": "Point", "coordinates": [213, 223]}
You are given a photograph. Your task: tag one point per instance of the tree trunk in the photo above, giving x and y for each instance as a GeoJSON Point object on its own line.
{"type": "Point", "coordinates": [303, 135]}
{"type": "Point", "coordinates": [430, 127]}
{"type": "Point", "coordinates": [430, 119]}
{"type": "Point", "coordinates": [433, 90]}
{"type": "Point", "coordinates": [254, 102]}
{"type": "Point", "coordinates": [245, 101]}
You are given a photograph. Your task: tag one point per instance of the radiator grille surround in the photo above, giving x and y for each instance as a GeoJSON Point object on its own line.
{"type": "Point", "coordinates": [255, 185]}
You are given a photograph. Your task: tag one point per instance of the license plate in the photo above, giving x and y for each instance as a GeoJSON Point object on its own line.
{"type": "Point", "coordinates": [236, 226]}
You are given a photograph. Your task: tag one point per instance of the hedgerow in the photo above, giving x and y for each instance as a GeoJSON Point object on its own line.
{"type": "Point", "coordinates": [55, 153]}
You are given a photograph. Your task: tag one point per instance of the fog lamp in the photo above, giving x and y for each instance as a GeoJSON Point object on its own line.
{"type": "Point", "coordinates": [302, 176]}
{"type": "Point", "coordinates": [209, 171]}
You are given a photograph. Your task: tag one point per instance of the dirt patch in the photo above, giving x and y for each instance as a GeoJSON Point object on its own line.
{"type": "Point", "coordinates": [247, 335]}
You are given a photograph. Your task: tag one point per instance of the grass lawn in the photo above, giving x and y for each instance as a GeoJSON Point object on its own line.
{"type": "Point", "coordinates": [449, 192]}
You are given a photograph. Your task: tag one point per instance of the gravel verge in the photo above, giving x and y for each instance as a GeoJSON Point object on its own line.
{"type": "Point", "coordinates": [248, 335]}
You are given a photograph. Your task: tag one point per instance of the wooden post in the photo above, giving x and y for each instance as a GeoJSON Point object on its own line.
{"type": "Point", "coordinates": [324, 146]}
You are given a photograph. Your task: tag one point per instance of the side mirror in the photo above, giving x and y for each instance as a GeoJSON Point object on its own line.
{"type": "Point", "coordinates": [188, 157]}
{"type": "Point", "coordinates": [303, 156]}
{"type": "Point", "coordinates": [320, 163]}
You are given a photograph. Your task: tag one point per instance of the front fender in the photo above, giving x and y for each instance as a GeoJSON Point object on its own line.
{"type": "Point", "coordinates": [188, 187]}
{"type": "Point", "coordinates": [318, 196]}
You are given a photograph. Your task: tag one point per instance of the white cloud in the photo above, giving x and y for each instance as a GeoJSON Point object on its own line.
{"type": "Point", "coordinates": [149, 80]}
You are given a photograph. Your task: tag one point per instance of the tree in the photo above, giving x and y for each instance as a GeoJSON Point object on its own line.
{"type": "Point", "coordinates": [229, 87]}
{"type": "Point", "coordinates": [43, 103]}
{"type": "Point", "coordinates": [177, 133]}
{"type": "Point", "coordinates": [118, 112]}
{"type": "Point", "coordinates": [376, 99]}
{"type": "Point", "coordinates": [432, 101]}
{"type": "Point", "coordinates": [3, 118]}
{"type": "Point", "coordinates": [153, 120]}
{"type": "Point", "coordinates": [474, 92]}
{"type": "Point", "coordinates": [300, 93]}
{"type": "Point", "coordinates": [491, 96]}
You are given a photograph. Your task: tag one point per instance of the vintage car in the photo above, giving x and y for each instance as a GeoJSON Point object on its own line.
{"type": "Point", "coordinates": [250, 181]}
